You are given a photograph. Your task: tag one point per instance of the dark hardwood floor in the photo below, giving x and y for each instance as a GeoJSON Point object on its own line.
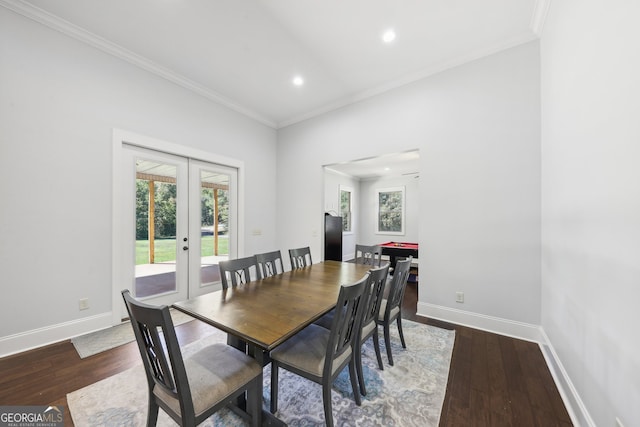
{"type": "Point", "coordinates": [493, 380]}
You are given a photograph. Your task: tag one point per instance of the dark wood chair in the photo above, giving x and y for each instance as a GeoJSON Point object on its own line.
{"type": "Point", "coordinates": [319, 354]}
{"type": "Point", "coordinates": [237, 271]}
{"type": "Point", "coordinates": [368, 255]}
{"type": "Point", "coordinates": [391, 307]}
{"type": "Point", "coordinates": [268, 264]}
{"type": "Point", "coordinates": [374, 292]}
{"type": "Point", "coordinates": [300, 257]}
{"type": "Point", "coordinates": [190, 390]}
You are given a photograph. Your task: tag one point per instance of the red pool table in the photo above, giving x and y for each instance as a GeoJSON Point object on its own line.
{"type": "Point", "coordinates": [399, 250]}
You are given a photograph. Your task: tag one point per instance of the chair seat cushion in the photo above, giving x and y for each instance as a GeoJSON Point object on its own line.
{"type": "Point", "coordinates": [383, 307]}
{"type": "Point", "coordinates": [214, 373]}
{"type": "Point", "coordinates": [307, 350]}
{"type": "Point", "coordinates": [368, 329]}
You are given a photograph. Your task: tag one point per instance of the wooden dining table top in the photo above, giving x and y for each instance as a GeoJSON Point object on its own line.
{"type": "Point", "coordinates": [267, 312]}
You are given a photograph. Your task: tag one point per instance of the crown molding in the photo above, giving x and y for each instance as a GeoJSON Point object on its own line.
{"type": "Point", "coordinates": [539, 16]}
{"type": "Point", "coordinates": [45, 18]}
{"type": "Point", "coordinates": [408, 79]}
{"type": "Point", "coordinates": [41, 16]}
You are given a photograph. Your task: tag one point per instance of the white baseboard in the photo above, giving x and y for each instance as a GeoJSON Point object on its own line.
{"type": "Point", "coordinates": [28, 340]}
{"type": "Point", "coordinates": [510, 328]}
{"type": "Point", "coordinates": [525, 331]}
{"type": "Point", "coordinates": [575, 406]}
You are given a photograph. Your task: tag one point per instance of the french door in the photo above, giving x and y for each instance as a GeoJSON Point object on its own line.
{"type": "Point", "coordinates": [213, 223]}
{"type": "Point", "coordinates": [180, 221]}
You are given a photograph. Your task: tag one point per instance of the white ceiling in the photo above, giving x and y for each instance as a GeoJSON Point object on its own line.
{"type": "Point", "coordinates": [244, 53]}
{"type": "Point", "coordinates": [390, 165]}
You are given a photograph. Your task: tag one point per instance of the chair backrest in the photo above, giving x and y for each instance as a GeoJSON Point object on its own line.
{"type": "Point", "coordinates": [398, 285]}
{"type": "Point", "coordinates": [161, 356]}
{"type": "Point", "coordinates": [346, 321]}
{"type": "Point", "coordinates": [237, 271]}
{"type": "Point", "coordinates": [268, 264]}
{"type": "Point", "coordinates": [374, 291]}
{"type": "Point", "coordinates": [368, 255]}
{"type": "Point", "coordinates": [300, 257]}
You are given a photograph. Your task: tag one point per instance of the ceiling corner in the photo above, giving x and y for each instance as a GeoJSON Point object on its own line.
{"type": "Point", "coordinates": [539, 16]}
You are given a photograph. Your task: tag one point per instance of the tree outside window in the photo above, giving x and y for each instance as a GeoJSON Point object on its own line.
{"type": "Point", "coordinates": [346, 204]}
{"type": "Point", "coordinates": [390, 219]}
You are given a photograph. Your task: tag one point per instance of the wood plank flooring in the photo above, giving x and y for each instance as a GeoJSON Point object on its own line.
{"type": "Point", "coordinates": [493, 380]}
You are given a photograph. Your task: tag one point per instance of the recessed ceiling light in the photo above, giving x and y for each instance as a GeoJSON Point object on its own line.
{"type": "Point", "coordinates": [388, 36]}
{"type": "Point", "coordinates": [298, 81]}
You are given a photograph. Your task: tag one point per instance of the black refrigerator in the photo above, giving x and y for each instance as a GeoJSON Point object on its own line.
{"type": "Point", "coordinates": [332, 237]}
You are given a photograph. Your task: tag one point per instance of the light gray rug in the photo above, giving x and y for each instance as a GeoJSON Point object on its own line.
{"type": "Point", "coordinates": [105, 339]}
{"type": "Point", "coordinates": [410, 393]}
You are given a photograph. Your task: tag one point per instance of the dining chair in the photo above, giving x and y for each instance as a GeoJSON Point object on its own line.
{"type": "Point", "coordinates": [368, 255]}
{"type": "Point", "coordinates": [319, 354]}
{"type": "Point", "coordinates": [268, 263]}
{"type": "Point", "coordinates": [391, 307]}
{"type": "Point", "coordinates": [190, 390]}
{"type": "Point", "coordinates": [237, 271]}
{"type": "Point", "coordinates": [374, 292]}
{"type": "Point", "coordinates": [300, 257]}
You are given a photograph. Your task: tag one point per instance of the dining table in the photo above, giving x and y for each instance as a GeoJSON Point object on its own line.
{"type": "Point", "coordinates": [266, 312]}
{"type": "Point", "coordinates": [262, 314]}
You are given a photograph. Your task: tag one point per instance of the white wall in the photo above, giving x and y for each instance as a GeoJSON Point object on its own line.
{"type": "Point", "coordinates": [478, 130]}
{"type": "Point", "coordinates": [59, 101]}
{"type": "Point", "coordinates": [591, 202]}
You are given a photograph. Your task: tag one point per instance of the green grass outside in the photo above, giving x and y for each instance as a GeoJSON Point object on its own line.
{"type": "Point", "coordinates": [165, 249]}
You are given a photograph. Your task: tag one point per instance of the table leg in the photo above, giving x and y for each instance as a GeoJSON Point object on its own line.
{"type": "Point", "coordinates": [237, 343]}
{"type": "Point", "coordinates": [262, 357]}
{"type": "Point", "coordinates": [392, 262]}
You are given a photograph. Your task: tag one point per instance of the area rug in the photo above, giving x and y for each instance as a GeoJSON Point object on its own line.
{"type": "Point", "coordinates": [410, 393]}
{"type": "Point", "coordinates": [105, 339]}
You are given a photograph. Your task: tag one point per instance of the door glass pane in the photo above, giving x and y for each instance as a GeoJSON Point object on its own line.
{"type": "Point", "coordinates": [156, 195]}
{"type": "Point", "coordinates": [214, 224]}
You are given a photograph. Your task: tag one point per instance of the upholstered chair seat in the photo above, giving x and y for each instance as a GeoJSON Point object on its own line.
{"type": "Point", "coordinates": [214, 374]}
{"type": "Point", "coordinates": [307, 351]}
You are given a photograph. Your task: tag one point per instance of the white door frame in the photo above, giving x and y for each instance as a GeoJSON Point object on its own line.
{"type": "Point", "coordinates": [121, 137]}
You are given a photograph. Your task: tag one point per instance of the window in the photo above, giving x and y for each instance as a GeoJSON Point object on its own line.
{"type": "Point", "coordinates": [346, 208]}
{"type": "Point", "coordinates": [390, 210]}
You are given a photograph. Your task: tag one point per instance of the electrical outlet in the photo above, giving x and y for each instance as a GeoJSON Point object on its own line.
{"type": "Point", "coordinates": [83, 304]}
{"type": "Point", "coordinates": [460, 297]}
